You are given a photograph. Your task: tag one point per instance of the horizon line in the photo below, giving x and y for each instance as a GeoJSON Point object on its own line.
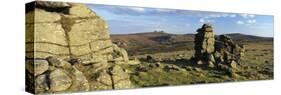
{"type": "Point", "coordinates": [186, 33]}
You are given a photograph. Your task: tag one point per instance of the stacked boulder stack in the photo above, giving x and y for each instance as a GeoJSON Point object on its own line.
{"type": "Point", "coordinates": [227, 52]}
{"type": "Point", "coordinates": [68, 49]}
{"type": "Point", "coordinates": [223, 53]}
{"type": "Point", "coordinates": [205, 45]}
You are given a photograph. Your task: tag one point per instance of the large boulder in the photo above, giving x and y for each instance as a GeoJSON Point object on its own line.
{"type": "Point", "coordinates": [59, 80]}
{"type": "Point", "coordinates": [120, 54]}
{"type": "Point", "coordinates": [120, 78]}
{"type": "Point", "coordinates": [37, 67]}
{"type": "Point", "coordinates": [204, 44]}
{"type": "Point", "coordinates": [79, 81]}
{"type": "Point", "coordinates": [69, 47]}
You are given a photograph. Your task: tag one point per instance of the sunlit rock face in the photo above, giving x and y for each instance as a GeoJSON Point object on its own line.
{"type": "Point", "coordinates": [68, 49]}
{"type": "Point", "coordinates": [212, 52]}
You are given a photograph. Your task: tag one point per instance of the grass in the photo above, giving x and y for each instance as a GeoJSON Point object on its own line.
{"type": "Point", "coordinates": [257, 64]}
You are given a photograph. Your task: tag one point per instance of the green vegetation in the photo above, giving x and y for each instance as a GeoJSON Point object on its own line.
{"type": "Point", "coordinates": [256, 65]}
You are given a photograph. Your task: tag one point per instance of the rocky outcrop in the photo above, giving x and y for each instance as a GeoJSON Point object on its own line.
{"type": "Point", "coordinates": [68, 49]}
{"type": "Point", "coordinates": [222, 53]}
{"type": "Point", "coordinates": [56, 78]}
{"type": "Point", "coordinates": [227, 51]}
{"type": "Point", "coordinates": [205, 45]}
{"type": "Point", "coordinates": [120, 54]}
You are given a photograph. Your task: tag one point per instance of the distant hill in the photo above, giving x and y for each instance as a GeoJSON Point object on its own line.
{"type": "Point", "coordinates": [152, 38]}
{"type": "Point", "coordinates": [155, 40]}
{"type": "Point", "coordinates": [244, 37]}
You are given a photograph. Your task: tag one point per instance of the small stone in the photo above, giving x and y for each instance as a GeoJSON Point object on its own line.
{"type": "Point", "coordinates": [233, 64]}
{"type": "Point", "coordinates": [150, 59]}
{"type": "Point", "coordinates": [211, 58]}
{"type": "Point", "coordinates": [222, 66]}
{"type": "Point", "coordinates": [211, 64]}
{"type": "Point", "coordinates": [188, 68]}
{"type": "Point", "coordinates": [199, 62]}
{"type": "Point", "coordinates": [197, 69]}
{"type": "Point", "coordinates": [158, 64]}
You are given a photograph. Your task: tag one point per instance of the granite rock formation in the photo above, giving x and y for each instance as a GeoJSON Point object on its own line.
{"type": "Point", "coordinates": [205, 45]}
{"type": "Point", "coordinates": [68, 49]}
{"type": "Point", "coordinates": [223, 53]}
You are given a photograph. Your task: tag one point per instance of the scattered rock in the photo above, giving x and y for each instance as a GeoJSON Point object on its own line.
{"type": "Point", "coordinates": [172, 68]}
{"type": "Point", "coordinates": [211, 64]}
{"type": "Point", "coordinates": [158, 64]}
{"type": "Point", "coordinates": [200, 62]}
{"type": "Point", "coordinates": [154, 65]}
{"type": "Point", "coordinates": [233, 64]}
{"type": "Point", "coordinates": [197, 69]}
{"type": "Point", "coordinates": [188, 68]}
{"type": "Point", "coordinates": [134, 62]}
{"type": "Point", "coordinates": [150, 59]}
{"type": "Point", "coordinates": [266, 61]}
{"type": "Point", "coordinates": [222, 67]}
{"type": "Point", "coordinates": [141, 68]}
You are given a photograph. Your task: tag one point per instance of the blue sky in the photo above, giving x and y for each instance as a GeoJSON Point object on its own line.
{"type": "Point", "coordinates": [124, 20]}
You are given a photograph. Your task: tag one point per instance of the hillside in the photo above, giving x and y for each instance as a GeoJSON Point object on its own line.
{"type": "Point", "coordinates": [162, 41]}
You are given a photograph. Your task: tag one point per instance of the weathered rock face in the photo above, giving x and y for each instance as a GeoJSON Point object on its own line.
{"type": "Point", "coordinates": [228, 51]}
{"type": "Point", "coordinates": [120, 54]}
{"type": "Point", "coordinates": [59, 80]}
{"type": "Point", "coordinates": [204, 44]}
{"type": "Point", "coordinates": [68, 48]}
{"type": "Point", "coordinates": [219, 52]}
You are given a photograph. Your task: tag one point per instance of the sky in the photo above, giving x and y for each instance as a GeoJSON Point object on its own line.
{"type": "Point", "coordinates": [126, 20]}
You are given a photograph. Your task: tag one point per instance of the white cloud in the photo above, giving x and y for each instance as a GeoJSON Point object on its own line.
{"type": "Point", "coordinates": [247, 19]}
{"type": "Point", "coordinates": [206, 20]}
{"type": "Point", "coordinates": [214, 16]}
{"type": "Point", "coordinates": [240, 22]}
{"type": "Point", "coordinates": [251, 21]}
{"type": "Point", "coordinates": [202, 20]}
{"type": "Point", "coordinates": [164, 10]}
{"type": "Point", "coordinates": [246, 16]}
{"type": "Point", "coordinates": [252, 16]}
{"type": "Point", "coordinates": [138, 9]}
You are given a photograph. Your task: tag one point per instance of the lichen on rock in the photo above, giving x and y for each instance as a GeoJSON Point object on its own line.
{"type": "Point", "coordinates": [68, 49]}
{"type": "Point", "coordinates": [222, 53]}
